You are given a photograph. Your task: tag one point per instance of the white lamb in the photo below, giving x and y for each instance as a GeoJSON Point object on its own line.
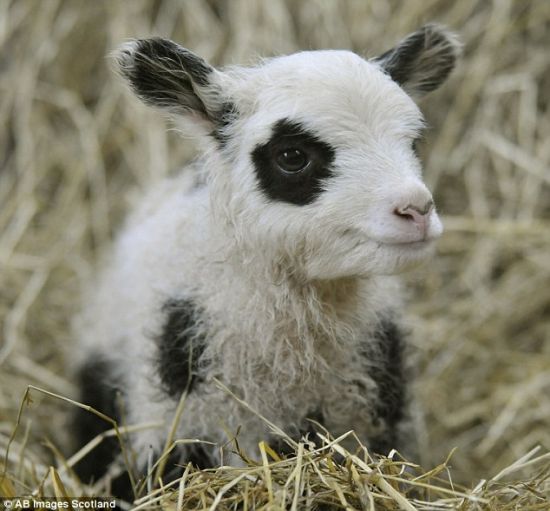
{"type": "Point", "coordinates": [269, 267]}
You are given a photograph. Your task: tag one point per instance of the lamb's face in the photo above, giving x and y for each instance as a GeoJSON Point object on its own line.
{"type": "Point", "coordinates": [318, 147]}
{"type": "Point", "coordinates": [325, 168]}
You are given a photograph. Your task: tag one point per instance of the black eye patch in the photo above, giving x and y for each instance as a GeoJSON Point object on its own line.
{"type": "Point", "coordinates": [292, 165]}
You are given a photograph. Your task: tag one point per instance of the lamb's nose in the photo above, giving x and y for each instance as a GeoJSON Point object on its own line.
{"type": "Point", "coordinates": [419, 215]}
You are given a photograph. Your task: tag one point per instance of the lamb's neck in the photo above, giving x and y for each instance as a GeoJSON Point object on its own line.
{"type": "Point", "coordinates": [282, 292]}
{"type": "Point", "coordinates": [288, 327]}
{"type": "Point", "coordinates": [274, 290]}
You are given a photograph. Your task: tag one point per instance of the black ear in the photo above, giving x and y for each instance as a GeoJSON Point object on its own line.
{"type": "Point", "coordinates": [165, 75]}
{"type": "Point", "coordinates": [423, 60]}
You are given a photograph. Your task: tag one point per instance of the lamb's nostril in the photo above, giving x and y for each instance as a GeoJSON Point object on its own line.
{"type": "Point", "coordinates": [415, 213]}
{"type": "Point", "coordinates": [403, 213]}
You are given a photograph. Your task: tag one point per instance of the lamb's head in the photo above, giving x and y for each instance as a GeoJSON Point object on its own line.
{"type": "Point", "coordinates": [314, 153]}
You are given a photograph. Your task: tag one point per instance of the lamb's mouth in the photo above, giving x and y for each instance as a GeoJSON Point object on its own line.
{"type": "Point", "coordinates": [417, 244]}
{"type": "Point", "coordinates": [359, 238]}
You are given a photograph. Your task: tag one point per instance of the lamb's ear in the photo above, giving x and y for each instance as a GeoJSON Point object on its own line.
{"type": "Point", "coordinates": [422, 61]}
{"type": "Point", "coordinates": [165, 75]}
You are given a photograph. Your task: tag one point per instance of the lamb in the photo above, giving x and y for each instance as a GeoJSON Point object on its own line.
{"type": "Point", "coordinates": [271, 265]}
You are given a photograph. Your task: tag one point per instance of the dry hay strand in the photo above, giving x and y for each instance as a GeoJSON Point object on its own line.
{"type": "Point", "coordinates": [76, 152]}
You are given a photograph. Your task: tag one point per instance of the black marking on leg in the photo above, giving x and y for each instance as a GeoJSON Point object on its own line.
{"type": "Point", "coordinates": [388, 373]}
{"type": "Point", "coordinates": [302, 184]}
{"type": "Point", "coordinates": [101, 389]}
{"type": "Point", "coordinates": [309, 428]}
{"type": "Point", "coordinates": [199, 455]}
{"type": "Point", "coordinates": [180, 346]}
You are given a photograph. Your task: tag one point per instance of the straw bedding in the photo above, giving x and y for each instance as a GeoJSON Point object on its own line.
{"type": "Point", "coordinates": [76, 151]}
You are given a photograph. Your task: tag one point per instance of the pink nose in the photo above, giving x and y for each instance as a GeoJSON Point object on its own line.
{"type": "Point", "coordinates": [418, 215]}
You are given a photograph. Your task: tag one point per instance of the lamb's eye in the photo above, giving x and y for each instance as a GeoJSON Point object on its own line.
{"type": "Point", "coordinates": [292, 160]}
